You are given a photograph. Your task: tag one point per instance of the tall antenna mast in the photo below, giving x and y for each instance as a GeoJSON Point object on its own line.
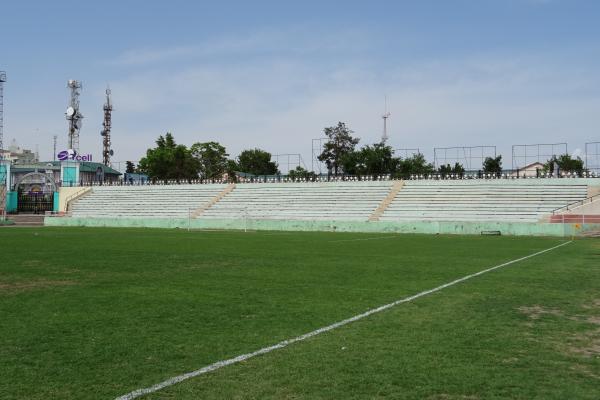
{"type": "Point", "coordinates": [54, 138]}
{"type": "Point", "coordinates": [385, 116]}
{"type": "Point", "coordinates": [73, 115]}
{"type": "Point", "coordinates": [2, 80]}
{"type": "Point", "coordinates": [106, 150]}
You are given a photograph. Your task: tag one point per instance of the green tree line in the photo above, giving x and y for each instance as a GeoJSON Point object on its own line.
{"type": "Point", "coordinates": [202, 160]}
{"type": "Point", "coordinates": [340, 153]}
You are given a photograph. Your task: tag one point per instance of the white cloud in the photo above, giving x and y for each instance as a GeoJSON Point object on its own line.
{"type": "Point", "coordinates": [282, 106]}
{"type": "Point", "coordinates": [277, 90]}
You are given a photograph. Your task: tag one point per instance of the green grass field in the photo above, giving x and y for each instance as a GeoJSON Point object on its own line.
{"type": "Point", "coordinates": [97, 313]}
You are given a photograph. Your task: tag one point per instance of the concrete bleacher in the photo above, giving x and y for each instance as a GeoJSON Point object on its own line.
{"type": "Point", "coordinates": [171, 201]}
{"type": "Point", "coordinates": [416, 200]}
{"type": "Point", "coordinates": [301, 201]}
{"type": "Point", "coordinates": [481, 200]}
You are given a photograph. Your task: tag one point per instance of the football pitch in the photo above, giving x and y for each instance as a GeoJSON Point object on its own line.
{"type": "Point", "coordinates": [98, 313]}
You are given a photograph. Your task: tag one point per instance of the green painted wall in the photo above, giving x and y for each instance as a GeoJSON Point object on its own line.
{"type": "Point", "coordinates": [56, 202]}
{"type": "Point", "coordinates": [69, 176]}
{"type": "Point", "coordinates": [11, 201]}
{"type": "Point", "coordinates": [3, 174]}
{"type": "Point", "coordinates": [431, 227]}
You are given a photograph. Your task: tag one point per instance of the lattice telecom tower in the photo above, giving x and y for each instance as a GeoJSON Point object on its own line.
{"type": "Point", "coordinates": [106, 150]}
{"type": "Point", "coordinates": [73, 115]}
{"type": "Point", "coordinates": [2, 80]}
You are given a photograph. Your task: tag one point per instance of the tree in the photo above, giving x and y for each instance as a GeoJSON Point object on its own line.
{"type": "Point", "coordinates": [370, 160]}
{"type": "Point", "coordinates": [446, 170]}
{"type": "Point", "coordinates": [231, 169]}
{"type": "Point", "coordinates": [565, 163]}
{"type": "Point", "coordinates": [415, 165]}
{"type": "Point", "coordinates": [300, 173]}
{"type": "Point", "coordinates": [129, 167]}
{"type": "Point", "coordinates": [379, 159]}
{"type": "Point", "coordinates": [169, 160]}
{"type": "Point", "coordinates": [256, 162]}
{"type": "Point", "coordinates": [492, 165]}
{"type": "Point", "coordinates": [340, 143]}
{"type": "Point", "coordinates": [212, 159]}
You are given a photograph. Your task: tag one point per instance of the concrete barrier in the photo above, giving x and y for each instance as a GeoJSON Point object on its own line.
{"type": "Point", "coordinates": [429, 227]}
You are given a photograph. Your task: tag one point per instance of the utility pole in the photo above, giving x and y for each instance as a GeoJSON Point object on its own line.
{"type": "Point", "coordinates": [2, 80]}
{"type": "Point", "coordinates": [54, 138]}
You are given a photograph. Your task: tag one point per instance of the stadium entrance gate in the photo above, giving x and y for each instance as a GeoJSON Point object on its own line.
{"type": "Point", "coordinates": [35, 193]}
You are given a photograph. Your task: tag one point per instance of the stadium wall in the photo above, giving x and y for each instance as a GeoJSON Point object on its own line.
{"type": "Point", "coordinates": [429, 227]}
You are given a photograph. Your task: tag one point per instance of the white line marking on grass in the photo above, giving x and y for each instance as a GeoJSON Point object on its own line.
{"type": "Point", "coordinates": [285, 343]}
{"type": "Point", "coordinates": [371, 238]}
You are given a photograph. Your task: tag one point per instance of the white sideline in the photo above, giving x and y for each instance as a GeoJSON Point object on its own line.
{"type": "Point", "coordinates": [285, 343]}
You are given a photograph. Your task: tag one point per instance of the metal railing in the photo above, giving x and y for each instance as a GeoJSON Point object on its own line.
{"type": "Point", "coordinates": [469, 175]}
{"type": "Point", "coordinates": [74, 196]}
{"type": "Point", "coordinates": [576, 204]}
{"type": "Point", "coordinates": [503, 175]}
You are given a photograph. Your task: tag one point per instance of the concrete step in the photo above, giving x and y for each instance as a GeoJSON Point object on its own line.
{"type": "Point", "coordinates": [27, 219]}
{"type": "Point", "coordinates": [575, 218]}
{"type": "Point", "coordinates": [594, 234]}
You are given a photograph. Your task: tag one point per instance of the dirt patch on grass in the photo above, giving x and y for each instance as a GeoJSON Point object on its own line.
{"type": "Point", "coordinates": [594, 320]}
{"type": "Point", "coordinates": [536, 312]}
{"type": "Point", "coordinates": [586, 344]}
{"type": "Point", "coordinates": [31, 263]}
{"type": "Point", "coordinates": [212, 264]}
{"type": "Point", "coordinates": [7, 288]}
{"type": "Point", "coordinates": [585, 370]}
{"type": "Point", "coordinates": [594, 304]}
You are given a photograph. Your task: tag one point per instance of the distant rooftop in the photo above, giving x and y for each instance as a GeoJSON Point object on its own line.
{"type": "Point", "coordinates": [55, 166]}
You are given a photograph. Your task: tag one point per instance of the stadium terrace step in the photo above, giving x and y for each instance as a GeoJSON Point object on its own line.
{"type": "Point", "coordinates": [575, 219]}
{"type": "Point", "coordinates": [27, 219]}
{"type": "Point", "coordinates": [172, 201]}
{"type": "Point", "coordinates": [312, 201]}
{"type": "Point", "coordinates": [474, 201]}
{"type": "Point", "coordinates": [352, 201]}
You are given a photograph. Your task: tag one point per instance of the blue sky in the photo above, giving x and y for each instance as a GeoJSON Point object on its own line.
{"type": "Point", "coordinates": [272, 74]}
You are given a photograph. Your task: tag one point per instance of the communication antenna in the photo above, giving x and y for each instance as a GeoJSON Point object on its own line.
{"type": "Point", "coordinates": [73, 115]}
{"type": "Point", "coordinates": [54, 139]}
{"type": "Point", "coordinates": [107, 152]}
{"type": "Point", "coordinates": [385, 116]}
{"type": "Point", "coordinates": [2, 80]}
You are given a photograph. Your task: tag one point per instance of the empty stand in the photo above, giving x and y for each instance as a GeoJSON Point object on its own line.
{"type": "Point", "coordinates": [172, 201]}
{"type": "Point", "coordinates": [480, 200]}
{"type": "Point", "coordinates": [344, 201]}
{"type": "Point", "coordinates": [302, 201]}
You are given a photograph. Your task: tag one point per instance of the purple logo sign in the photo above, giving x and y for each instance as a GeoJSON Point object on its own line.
{"type": "Point", "coordinates": [72, 155]}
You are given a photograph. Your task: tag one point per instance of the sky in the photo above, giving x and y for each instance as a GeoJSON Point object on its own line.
{"type": "Point", "coordinates": [273, 74]}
